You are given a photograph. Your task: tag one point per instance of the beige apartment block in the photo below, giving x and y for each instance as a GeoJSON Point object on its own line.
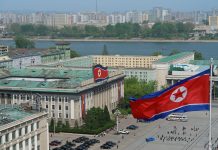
{"type": "Point", "coordinates": [126, 61]}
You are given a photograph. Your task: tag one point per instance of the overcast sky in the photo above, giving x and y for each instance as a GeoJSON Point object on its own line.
{"type": "Point", "coordinates": [105, 5]}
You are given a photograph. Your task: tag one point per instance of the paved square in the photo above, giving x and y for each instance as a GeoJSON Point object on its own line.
{"type": "Point", "coordinates": [169, 135]}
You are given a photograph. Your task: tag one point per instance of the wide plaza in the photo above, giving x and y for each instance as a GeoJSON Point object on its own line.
{"type": "Point", "coordinates": [169, 135]}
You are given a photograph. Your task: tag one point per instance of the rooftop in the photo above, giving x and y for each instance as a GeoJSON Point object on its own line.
{"type": "Point", "coordinates": [85, 61]}
{"type": "Point", "coordinates": [9, 113]}
{"type": "Point", "coordinates": [51, 79]}
{"type": "Point", "coordinates": [172, 58]}
{"type": "Point", "coordinates": [203, 62]}
{"type": "Point", "coordinates": [17, 53]}
{"type": "Point", "coordinates": [41, 78]}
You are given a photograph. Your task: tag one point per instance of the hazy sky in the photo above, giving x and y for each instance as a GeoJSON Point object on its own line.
{"type": "Point", "coordinates": [105, 5]}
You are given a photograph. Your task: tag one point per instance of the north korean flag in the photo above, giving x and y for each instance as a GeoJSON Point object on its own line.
{"type": "Point", "coordinates": [190, 94]}
{"type": "Point", "coordinates": [100, 73]}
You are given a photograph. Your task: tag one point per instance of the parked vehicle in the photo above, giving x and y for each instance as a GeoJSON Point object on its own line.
{"type": "Point", "coordinates": [132, 127]}
{"type": "Point", "coordinates": [123, 131]}
{"type": "Point", "coordinates": [177, 117]}
{"type": "Point", "coordinates": [108, 145]}
{"type": "Point", "coordinates": [55, 143]}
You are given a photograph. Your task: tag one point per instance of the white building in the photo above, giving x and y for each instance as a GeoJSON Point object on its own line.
{"type": "Point", "coordinates": [23, 130]}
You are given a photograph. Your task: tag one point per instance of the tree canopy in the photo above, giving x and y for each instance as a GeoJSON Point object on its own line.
{"type": "Point", "coordinates": [96, 118]}
{"type": "Point", "coordinates": [120, 30]}
{"type": "Point", "coordinates": [135, 88]}
{"type": "Point", "coordinates": [22, 42]}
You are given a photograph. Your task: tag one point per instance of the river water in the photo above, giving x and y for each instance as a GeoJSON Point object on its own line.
{"type": "Point", "coordinates": [208, 49]}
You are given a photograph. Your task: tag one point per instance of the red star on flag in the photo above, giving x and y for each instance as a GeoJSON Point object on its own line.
{"type": "Point", "coordinates": [178, 94]}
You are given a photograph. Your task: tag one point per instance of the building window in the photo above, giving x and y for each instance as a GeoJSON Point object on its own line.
{"type": "Point", "coordinates": [59, 115]}
{"type": "Point", "coordinates": [38, 137]}
{"type": "Point", "coordinates": [6, 137]}
{"type": "Point", "coordinates": [26, 129]}
{"type": "Point", "coordinates": [53, 115]}
{"type": "Point", "coordinates": [53, 99]}
{"type": "Point", "coordinates": [46, 98]}
{"type": "Point", "coordinates": [14, 147]}
{"type": "Point", "coordinates": [59, 107]}
{"type": "Point", "coordinates": [66, 115]}
{"type": "Point", "coordinates": [0, 139]}
{"type": "Point", "coordinates": [20, 145]}
{"type": "Point", "coordinates": [13, 135]}
{"type": "Point", "coordinates": [38, 147]}
{"type": "Point", "coordinates": [59, 99]}
{"type": "Point", "coordinates": [37, 125]}
{"type": "Point", "coordinates": [66, 99]}
{"type": "Point", "coordinates": [26, 142]}
{"type": "Point", "coordinates": [28, 98]}
{"type": "Point", "coordinates": [66, 107]}
{"type": "Point", "coordinates": [20, 131]}
{"type": "Point", "coordinates": [53, 106]}
{"type": "Point", "coordinates": [46, 106]}
{"type": "Point", "coordinates": [32, 125]}
{"type": "Point", "coordinates": [32, 140]}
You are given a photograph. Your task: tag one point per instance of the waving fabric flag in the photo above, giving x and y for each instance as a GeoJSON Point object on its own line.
{"type": "Point", "coordinates": [100, 73]}
{"type": "Point", "coordinates": [190, 94]}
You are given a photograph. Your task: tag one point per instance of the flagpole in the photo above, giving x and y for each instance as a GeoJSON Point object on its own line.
{"type": "Point", "coordinates": [210, 132]}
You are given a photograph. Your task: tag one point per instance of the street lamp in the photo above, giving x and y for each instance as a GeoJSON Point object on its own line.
{"type": "Point", "coordinates": [117, 113]}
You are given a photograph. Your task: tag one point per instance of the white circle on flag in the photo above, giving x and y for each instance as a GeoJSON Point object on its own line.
{"type": "Point", "coordinates": [99, 72]}
{"type": "Point", "coordinates": [179, 94]}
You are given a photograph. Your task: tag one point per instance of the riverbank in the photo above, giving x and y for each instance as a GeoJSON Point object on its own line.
{"type": "Point", "coordinates": [119, 40]}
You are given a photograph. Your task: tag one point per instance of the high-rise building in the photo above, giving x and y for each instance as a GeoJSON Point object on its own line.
{"type": "Point", "coordinates": [213, 21]}
{"type": "Point", "coordinates": [61, 20]}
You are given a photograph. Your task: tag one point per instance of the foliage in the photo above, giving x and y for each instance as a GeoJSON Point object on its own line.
{"type": "Point", "coordinates": [106, 114]}
{"type": "Point", "coordinates": [67, 125]}
{"type": "Point", "coordinates": [105, 52]}
{"type": "Point", "coordinates": [135, 88]}
{"type": "Point", "coordinates": [85, 130]}
{"type": "Point", "coordinates": [120, 30]}
{"type": "Point", "coordinates": [73, 54]}
{"type": "Point", "coordinates": [22, 42]}
{"type": "Point", "coordinates": [157, 53]}
{"type": "Point", "coordinates": [60, 124]}
{"type": "Point", "coordinates": [96, 121]}
{"type": "Point", "coordinates": [76, 125]}
{"type": "Point", "coordinates": [198, 55]}
{"type": "Point", "coordinates": [96, 118]}
{"type": "Point", "coordinates": [51, 126]}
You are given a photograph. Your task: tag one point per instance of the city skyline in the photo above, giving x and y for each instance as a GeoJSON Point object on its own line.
{"type": "Point", "coordinates": [106, 5]}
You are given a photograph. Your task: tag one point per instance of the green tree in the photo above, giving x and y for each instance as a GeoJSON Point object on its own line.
{"type": "Point", "coordinates": [42, 30]}
{"type": "Point", "coordinates": [52, 124]}
{"type": "Point", "coordinates": [22, 42]}
{"type": "Point", "coordinates": [95, 118]}
{"type": "Point", "coordinates": [67, 125]}
{"type": "Point", "coordinates": [15, 27]}
{"type": "Point", "coordinates": [76, 125]}
{"type": "Point", "coordinates": [104, 51]}
{"type": "Point", "coordinates": [73, 54]}
{"type": "Point", "coordinates": [59, 124]}
{"type": "Point", "coordinates": [106, 114]}
{"type": "Point", "coordinates": [28, 29]}
{"type": "Point", "coordinates": [198, 55]}
{"type": "Point", "coordinates": [157, 53]}
{"type": "Point", "coordinates": [135, 88]}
